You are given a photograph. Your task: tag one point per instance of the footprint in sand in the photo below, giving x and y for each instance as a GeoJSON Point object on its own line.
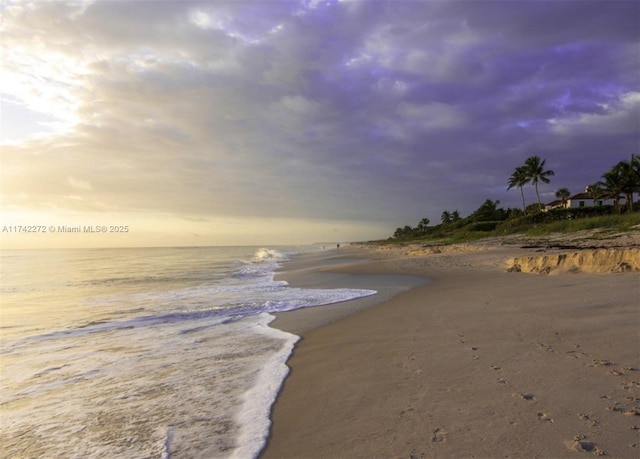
{"type": "Point", "coordinates": [581, 445]}
{"type": "Point", "coordinates": [617, 407]}
{"type": "Point", "coordinates": [635, 411]}
{"type": "Point", "coordinates": [546, 347]}
{"type": "Point", "coordinates": [407, 413]}
{"type": "Point", "coordinates": [439, 435]}
{"type": "Point", "coordinates": [544, 417]}
{"type": "Point", "coordinates": [575, 354]}
{"type": "Point", "coordinates": [601, 363]}
{"type": "Point", "coordinates": [586, 417]}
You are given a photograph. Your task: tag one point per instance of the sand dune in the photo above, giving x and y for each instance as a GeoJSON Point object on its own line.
{"type": "Point", "coordinates": [588, 261]}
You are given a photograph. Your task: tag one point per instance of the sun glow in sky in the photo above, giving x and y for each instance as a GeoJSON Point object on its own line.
{"type": "Point", "coordinates": [245, 122]}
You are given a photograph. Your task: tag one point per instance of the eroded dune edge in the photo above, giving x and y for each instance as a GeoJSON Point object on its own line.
{"type": "Point", "coordinates": [583, 252]}
{"type": "Point", "coordinates": [589, 261]}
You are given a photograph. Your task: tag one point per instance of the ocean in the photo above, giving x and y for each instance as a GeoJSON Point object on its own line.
{"type": "Point", "coordinates": [144, 352]}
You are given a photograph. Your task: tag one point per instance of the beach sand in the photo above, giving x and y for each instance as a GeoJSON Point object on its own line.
{"type": "Point", "coordinates": [485, 361]}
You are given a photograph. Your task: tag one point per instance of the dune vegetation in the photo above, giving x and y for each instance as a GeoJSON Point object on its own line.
{"type": "Point", "coordinates": [619, 185]}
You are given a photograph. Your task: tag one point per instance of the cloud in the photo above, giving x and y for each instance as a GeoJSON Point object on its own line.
{"type": "Point", "coordinates": [367, 111]}
{"type": "Point", "coordinates": [79, 184]}
{"type": "Point", "coordinates": [621, 118]}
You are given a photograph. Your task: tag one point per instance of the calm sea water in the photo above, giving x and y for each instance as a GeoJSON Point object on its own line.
{"type": "Point", "coordinates": [143, 353]}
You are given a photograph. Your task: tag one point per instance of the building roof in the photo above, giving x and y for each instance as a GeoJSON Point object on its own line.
{"type": "Point", "coordinates": [555, 203]}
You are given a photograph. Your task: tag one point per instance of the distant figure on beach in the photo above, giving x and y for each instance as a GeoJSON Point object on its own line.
{"type": "Point", "coordinates": [338, 246]}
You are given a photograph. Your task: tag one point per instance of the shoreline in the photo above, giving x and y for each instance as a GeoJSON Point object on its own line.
{"type": "Point", "coordinates": [336, 269]}
{"type": "Point", "coordinates": [480, 362]}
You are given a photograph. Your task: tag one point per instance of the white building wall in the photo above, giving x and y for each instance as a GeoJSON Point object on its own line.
{"type": "Point", "coordinates": [588, 202]}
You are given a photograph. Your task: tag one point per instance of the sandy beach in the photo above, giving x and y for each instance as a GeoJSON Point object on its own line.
{"type": "Point", "coordinates": [505, 348]}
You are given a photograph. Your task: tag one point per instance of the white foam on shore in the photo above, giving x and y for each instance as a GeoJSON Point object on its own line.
{"type": "Point", "coordinates": [254, 416]}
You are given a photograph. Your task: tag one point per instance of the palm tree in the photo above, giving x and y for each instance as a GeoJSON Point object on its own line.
{"type": "Point", "coordinates": [629, 174]}
{"type": "Point", "coordinates": [595, 191]}
{"type": "Point", "coordinates": [536, 173]}
{"type": "Point", "coordinates": [563, 194]}
{"type": "Point", "coordinates": [519, 178]}
{"type": "Point", "coordinates": [487, 212]}
{"type": "Point", "coordinates": [446, 217]}
{"type": "Point", "coordinates": [455, 216]}
{"type": "Point", "coordinates": [403, 232]}
{"type": "Point", "coordinates": [422, 226]}
{"type": "Point", "coordinates": [613, 185]}
{"type": "Point", "coordinates": [635, 170]}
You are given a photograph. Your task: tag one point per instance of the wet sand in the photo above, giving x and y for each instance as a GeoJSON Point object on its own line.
{"type": "Point", "coordinates": [481, 362]}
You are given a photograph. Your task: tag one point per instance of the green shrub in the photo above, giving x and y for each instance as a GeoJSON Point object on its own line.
{"type": "Point", "coordinates": [483, 226]}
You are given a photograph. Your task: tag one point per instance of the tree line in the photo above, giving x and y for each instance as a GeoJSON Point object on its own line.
{"type": "Point", "coordinates": [623, 179]}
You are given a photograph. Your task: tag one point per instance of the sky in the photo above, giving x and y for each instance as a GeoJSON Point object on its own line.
{"type": "Point", "coordinates": [275, 122]}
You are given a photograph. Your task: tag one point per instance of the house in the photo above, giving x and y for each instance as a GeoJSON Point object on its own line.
{"type": "Point", "coordinates": [584, 199]}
